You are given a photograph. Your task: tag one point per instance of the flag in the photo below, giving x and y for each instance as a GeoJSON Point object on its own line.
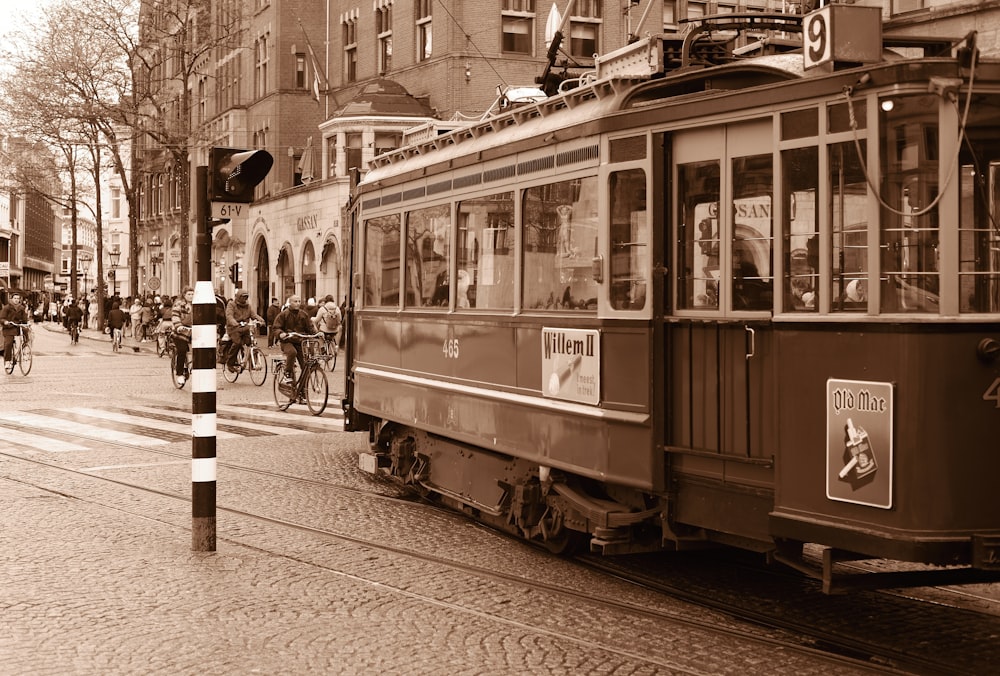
{"type": "Point", "coordinates": [319, 78]}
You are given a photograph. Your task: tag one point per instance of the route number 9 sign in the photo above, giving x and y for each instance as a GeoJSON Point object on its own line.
{"type": "Point", "coordinates": [842, 33]}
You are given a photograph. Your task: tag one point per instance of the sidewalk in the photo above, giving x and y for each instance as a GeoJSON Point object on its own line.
{"type": "Point", "coordinates": [129, 344]}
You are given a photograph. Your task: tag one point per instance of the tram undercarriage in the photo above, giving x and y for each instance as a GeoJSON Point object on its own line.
{"type": "Point", "coordinates": [517, 496]}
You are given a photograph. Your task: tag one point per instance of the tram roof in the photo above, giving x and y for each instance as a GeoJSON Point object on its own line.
{"type": "Point", "coordinates": [637, 83]}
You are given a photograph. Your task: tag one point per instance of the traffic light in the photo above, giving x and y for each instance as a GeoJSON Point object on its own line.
{"type": "Point", "coordinates": [235, 271]}
{"type": "Point", "coordinates": [234, 173]}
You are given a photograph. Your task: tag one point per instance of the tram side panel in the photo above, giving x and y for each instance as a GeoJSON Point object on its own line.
{"type": "Point", "coordinates": [910, 400]}
{"type": "Point", "coordinates": [487, 393]}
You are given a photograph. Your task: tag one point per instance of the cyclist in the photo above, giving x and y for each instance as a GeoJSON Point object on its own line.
{"type": "Point", "coordinates": [12, 313]}
{"type": "Point", "coordinates": [238, 313]}
{"type": "Point", "coordinates": [116, 320]}
{"type": "Point", "coordinates": [328, 320]}
{"type": "Point", "coordinates": [182, 321]}
{"type": "Point", "coordinates": [292, 320]}
{"type": "Point", "coordinates": [74, 315]}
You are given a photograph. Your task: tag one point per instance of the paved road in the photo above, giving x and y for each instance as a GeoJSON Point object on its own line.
{"type": "Point", "coordinates": [99, 578]}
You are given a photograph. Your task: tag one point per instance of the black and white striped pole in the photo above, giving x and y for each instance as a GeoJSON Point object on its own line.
{"type": "Point", "coordinates": [203, 347]}
{"type": "Point", "coordinates": [225, 186]}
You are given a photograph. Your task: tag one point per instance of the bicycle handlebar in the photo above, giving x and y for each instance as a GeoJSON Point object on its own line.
{"type": "Point", "coordinates": [296, 334]}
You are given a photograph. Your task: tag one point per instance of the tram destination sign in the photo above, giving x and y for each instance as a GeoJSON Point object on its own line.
{"type": "Point", "coordinates": [842, 33]}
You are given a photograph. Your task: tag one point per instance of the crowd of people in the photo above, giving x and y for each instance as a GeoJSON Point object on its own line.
{"type": "Point", "coordinates": [143, 317]}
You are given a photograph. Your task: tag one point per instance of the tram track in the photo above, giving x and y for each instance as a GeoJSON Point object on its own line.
{"type": "Point", "coordinates": [661, 618]}
{"type": "Point", "coordinates": [850, 646]}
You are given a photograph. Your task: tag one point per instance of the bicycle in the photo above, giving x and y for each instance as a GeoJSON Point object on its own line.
{"type": "Point", "coordinates": [250, 358]}
{"type": "Point", "coordinates": [74, 332]}
{"type": "Point", "coordinates": [116, 339]}
{"type": "Point", "coordinates": [311, 387]}
{"type": "Point", "coordinates": [164, 341]}
{"type": "Point", "coordinates": [172, 351]}
{"type": "Point", "coordinates": [20, 350]}
{"type": "Point", "coordinates": [329, 349]}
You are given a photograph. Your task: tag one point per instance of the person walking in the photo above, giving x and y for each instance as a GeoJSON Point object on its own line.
{"type": "Point", "coordinates": [135, 316]}
{"type": "Point", "coordinates": [272, 313]}
{"type": "Point", "coordinates": [92, 313]}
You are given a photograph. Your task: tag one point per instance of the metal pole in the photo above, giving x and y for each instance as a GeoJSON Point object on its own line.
{"type": "Point", "coordinates": [203, 346]}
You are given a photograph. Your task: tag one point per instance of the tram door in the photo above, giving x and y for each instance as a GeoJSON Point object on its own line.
{"type": "Point", "coordinates": [718, 335]}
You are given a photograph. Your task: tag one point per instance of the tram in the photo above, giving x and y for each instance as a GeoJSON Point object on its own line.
{"type": "Point", "coordinates": [707, 297]}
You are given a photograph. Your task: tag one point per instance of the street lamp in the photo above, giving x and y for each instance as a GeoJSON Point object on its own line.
{"type": "Point", "coordinates": [155, 257]}
{"type": "Point", "coordinates": [85, 258]}
{"type": "Point", "coordinates": [114, 255]}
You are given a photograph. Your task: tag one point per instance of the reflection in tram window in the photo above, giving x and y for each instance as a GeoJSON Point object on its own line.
{"type": "Point", "coordinates": [560, 242]}
{"type": "Point", "coordinates": [849, 228]}
{"type": "Point", "coordinates": [800, 229]}
{"type": "Point", "coordinates": [428, 237]}
{"type": "Point", "coordinates": [382, 261]}
{"type": "Point", "coordinates": [629, 239]}
{"type": "Point", "coordinates": [753, 187]}
{"type": "Point", "coordinates": [979, 218]}
{"type": "Point", "coordinates": [485, 277]}
{"type": "Point", "coordinates": [698, 216]}
{"type": "Point", "coordinates": [909, 154]}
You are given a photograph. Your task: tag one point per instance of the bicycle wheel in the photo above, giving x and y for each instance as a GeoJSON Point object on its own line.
{"type": "Point", "coordinates": [317, 389]}
{"type": "Point", "coordinates": [173, 374]}
{"type": "Point", "coordinates": [258, 366]}
{"type": "Point", "coordinates": [231, 376]}
{"type": "Point", "coordinates": [25, 360]}
{"type": "Point", "coordinates": [282, 399]}
{"type": "Point", "coordinates": [331, 349]}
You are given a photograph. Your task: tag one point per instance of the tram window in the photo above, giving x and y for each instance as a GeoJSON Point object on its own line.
{"type": "Point", "coordinates": [560, 241]}
{"type": "Point", "coordinates": [428, 242]}
{"type": "Point", "coordinates": [910, 228]}
{"type": "Point", "coordinates": [838, 116]}
{"type": "Point", "coordinates": [753, 231]}
{"type": "Point", "coordinates": [979, 242]}
{"type": "Point", "coordinates": [382, 261]}
{"type": "Point", "coordinates": [979, 214]}
{"type": "Point", "coordinates": [800, 228]}
{"type": "Point", "coordinates": [799, 124]}
{"type": "Point", "coordinates": [848, 228]}
{"type": "Point", "coordinates": [698, 207]}
{"type": "Point", "coordinates": [486, 252]}
{"type": "Point", "coordinates": [629, 239]}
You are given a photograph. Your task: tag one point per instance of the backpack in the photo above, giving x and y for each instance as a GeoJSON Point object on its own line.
{"type": "Point", "coordinates": [329, 320]}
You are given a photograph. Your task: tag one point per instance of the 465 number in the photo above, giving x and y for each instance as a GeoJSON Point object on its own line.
{"type": "Point", "coordinates": [450, 348]}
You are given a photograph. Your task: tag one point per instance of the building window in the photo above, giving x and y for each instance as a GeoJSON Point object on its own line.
{"type": "Point", "coordinates": [260, 66]}
{"type": "Point", "coordinates": [669, 16]}
{"type": "Point", "coordinates": [904, 6]}
{"type": "Point", "coordinates": [424, 39]}
{"type": "Point", "coordinates": [353, 149]}
{"type": "Point", "coordinates": [116, 203]}
{"type": "Point", "coordinates": [350, 37]}
{"type": "Point", "coordinates": [518, 19]}
{"type": "Point", "coordinates": [300, 70]}
{"type": "Point", "coordinates": [386, 141]}
{"type": "Point", "coordinates": [583, 39]}
{"type": "Point", "coordinates": [383, 27]}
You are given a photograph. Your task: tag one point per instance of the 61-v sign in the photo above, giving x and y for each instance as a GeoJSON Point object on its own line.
{"type": "Point", "coordinates": [231, 210]}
